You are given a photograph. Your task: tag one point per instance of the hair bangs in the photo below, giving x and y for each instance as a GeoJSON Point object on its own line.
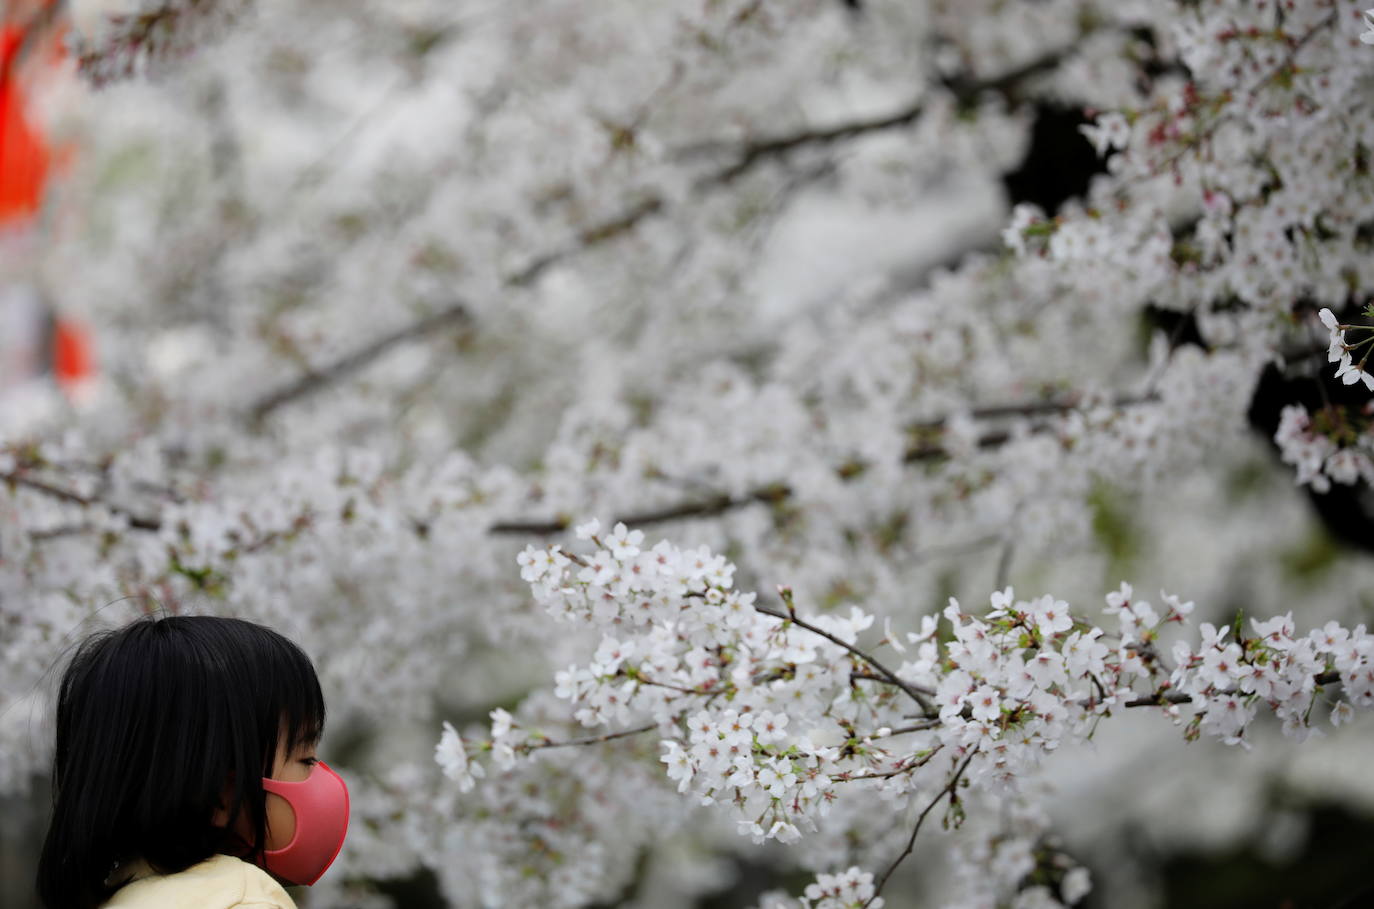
{"type": "Point", "coordinates": [299, 701]}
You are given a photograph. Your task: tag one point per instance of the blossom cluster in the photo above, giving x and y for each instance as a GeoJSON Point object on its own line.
{"type": "Point", "coordinates": [772, 714]}
{"type": "Point", "coordinates": [149, 37]}
{"type": "Point", "coordinates": [1242, 179]}
{"type": "Point", "coordinates": [743, 671]}
{"type": "Point", "coordinates": [849, 889]}
{"type": "Point", "coordinates": [1340, 352]}
{"type": "Point", "coordinates": [1015, 860]}
{"type": "Point", "coordinates": [1229, 681]}
{"type": "Point", "coordinates": [1330, 447]}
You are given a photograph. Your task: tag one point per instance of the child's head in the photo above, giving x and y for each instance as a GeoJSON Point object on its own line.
{"type": "Point", "coordinates": [165, 731]}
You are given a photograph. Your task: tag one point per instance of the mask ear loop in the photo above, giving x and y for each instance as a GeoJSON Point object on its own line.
{"type": "Point", "coordinates": [296, 830]}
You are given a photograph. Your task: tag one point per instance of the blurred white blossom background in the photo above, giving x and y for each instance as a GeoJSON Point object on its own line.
{"type": "Point", "coordinates": [885, 302]}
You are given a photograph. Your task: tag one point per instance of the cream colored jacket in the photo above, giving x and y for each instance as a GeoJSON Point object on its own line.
{"type": "Point", "coordinates": [219, 882]}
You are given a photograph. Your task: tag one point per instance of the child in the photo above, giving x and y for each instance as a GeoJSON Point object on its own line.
{"type": "Point", "coordinates": [185, 766]}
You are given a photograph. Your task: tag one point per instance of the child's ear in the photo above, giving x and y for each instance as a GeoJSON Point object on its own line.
{"type": "Point", "coordinates": [220, 816]}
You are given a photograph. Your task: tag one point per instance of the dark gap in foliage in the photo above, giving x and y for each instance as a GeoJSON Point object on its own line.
{"type": "Point", "coordinates": [1060, 162]}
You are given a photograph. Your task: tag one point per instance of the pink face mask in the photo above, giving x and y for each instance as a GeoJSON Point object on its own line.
{"type": "Point", "coordinates": [320, 803]}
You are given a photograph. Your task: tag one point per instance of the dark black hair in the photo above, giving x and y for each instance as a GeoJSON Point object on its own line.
{"type": "Point", "coordinates": [153, 720]}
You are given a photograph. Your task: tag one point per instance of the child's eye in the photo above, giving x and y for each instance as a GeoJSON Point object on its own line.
{"type": "Point", "coordinates": [310, 761]}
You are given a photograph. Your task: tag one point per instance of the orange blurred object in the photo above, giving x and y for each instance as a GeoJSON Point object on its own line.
{"type": "Point", "coordinates": [73, 360]}
{"type": "Point", "coordinates": [24, 155]}
{"type": "Point", "coordinates": [63, 348]}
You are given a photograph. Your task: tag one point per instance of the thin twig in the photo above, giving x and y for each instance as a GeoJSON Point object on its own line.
{"type": "Point", "coordinates": [643, 680]}
{"type": "Point", "coordinates": [1004, 562]}
{"type": "Point", "coordinates": [591, 740]}
{"type": "Point", "coordinates": [918, 695]}
{"type": "Point", "coordinates": [911, 841]}
{"type": "Point", "coordinates": [871, 677]}
{"type": "Point", "coordinates": [889, 774]}
{"type": "Point", "coordinates": [922, 726]}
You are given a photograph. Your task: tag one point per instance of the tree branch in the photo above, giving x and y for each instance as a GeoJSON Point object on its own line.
{"type": "Point", "coordinates": [1164, 696]}
{"type": "Point", "coordinates": [778, 492]}
{"type": "Point", "coordinates": [137, 521]}
{"type": "Point", "coordinates": [965, 92]}
{"type": "Point", "coordinates": [350, 363]}
{"type": "Point", "coordinates": [922, 450]}
{"type": "Point", "coordinates": [456, 314]}
{"type": "Point", "coordinates": [708, 507]}
{"type": "Point", "coordinates": [751, 154]}
{"type": "Point", "coordinates": [705, 507]}
{"type": "Point", "coordinates": [589, 237]}
{"type": "Point", "coordinates": [1042, 407]}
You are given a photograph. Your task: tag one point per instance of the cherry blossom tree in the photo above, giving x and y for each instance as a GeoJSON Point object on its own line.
{"type": "Point", "coordinates": [419, 320]}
